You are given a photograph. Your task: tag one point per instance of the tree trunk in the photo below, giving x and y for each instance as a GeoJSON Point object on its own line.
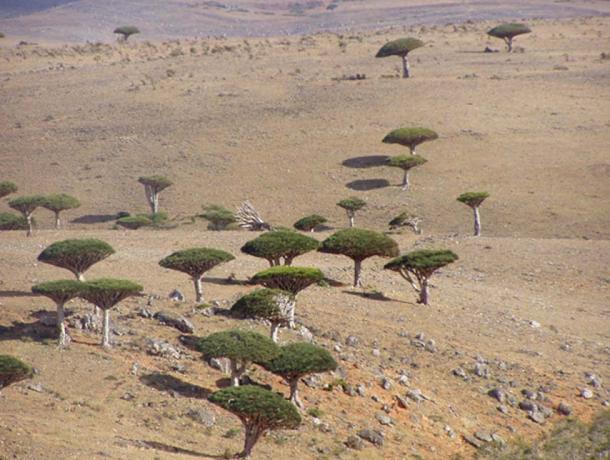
{"type": "Point", "coordinates": [57, 220]}
{"type": "Point", "coordinates": [357, 270]}
{"type": "Point", "coordinates": [28, 218]}
{"type": "Point", "coordinates": [198, 290]}
{"type": "Point", "coordinates": [236, 372]}
{"type": "Point", "coordinates": [424, 292]}
{"type": "Point", "coordinates": [106, 336]}
{"type": "Point", "coordinates": [405, 180]}
{"type": "Point", "coordinates": [253, 433]}
{"type": "Point", "coordinates": [64, 338]}
{"type": "Point", "coordinates": [412, 149]}
{"type": "Point", "coordinates": [477, 221]}
{"type": "Point", "coordinates": [293, 307]}
{"type": "Point", "coordinates": [275, 329]}
{"type": "Point", "coordinates": [294, 393]}
{"type": "Point", "coordinates": [80, 276]}
{"type": "Point", "coordinates": [509, 43]}
{"type": "Point", "coordinates": [405, 67]}
{"type": "Point", "coordinates": [155, 203]}
{"type": "Point", "coordinates": [350, 217]}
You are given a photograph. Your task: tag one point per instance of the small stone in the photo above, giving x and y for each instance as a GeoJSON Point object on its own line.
{"type": "Point", "coordinates": [145, 313]}
{"type": "Point", "coordinates": [176, 296]}
{"type": "Point", "coordinates": [420, 336]}
{"type": "Point", "coordinates": [338, 348]}
{"type": "Point", "coordinates": [534, 324]}
{"type": "Point", "coordinates": [481, 370]}
{"type": "Point", "coordinates": [415, 395]}
{"type": "Point", "coordinates": [586, 393]}
{"type": "Point", "coordinates": [386, 383]}
{"type": "Point", "coordinates": [537, 417]}
{"type": "Point", "coordinates": [459, 372]}
{"type": "Point", "coordinates": [128, 397]}
{"type": "Point", "coordinates": [528, 405]}
{"type": "Point", "coordinates": [176, 321]}
{"type": "Point", "coordinates": [483, 436]}
{"type": "Point", "coordinates": [376, 352]}
{"type": "Point", "coordinates": [383, 419]}
{"type": "Point", "coordinates": [473, 441]}
{"type": "Point", "coordinates": [431, 346]}
{"type": "Point", "coordinates": [372, 436]}
{"type": "Point", "coordinates": [221, 364]}
{"type": "Point", "coordinates": [529, 394]}
{"type": "Point", "coordinates": [135, 367]}
{"type": "Point", "coordinates": [564, 409]}
{"type": "Point", "coordinates": [361, 389]}
{"type": "Point", "coordinates": [352, 341]}
{"type": "Point", "coordinates": [498, 439]}
{"type": "Point", "coordinates": [403, 380]}
{"type": "Point", "coordinates": [450, 431]}
{"type": "Point", "coordinates": [305, 334]}
{"type": "Point", "coordinates": [503, 409]}
{"type": "Point", "coordinates": [402, 402]}
{"type": "Point", "coordinates": [37, 387]}
{"type": "Point", "coordinates": [606, 403]}
{"type": "Point", "coordinates": [354, 442]}
{"type": "Point", "coordinates": [498, 394]}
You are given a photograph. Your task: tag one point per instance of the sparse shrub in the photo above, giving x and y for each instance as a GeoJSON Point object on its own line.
{"type": "Point", "coordinates": [134, 222]}
{"type": "Point", "coordinates": [10, 221]}
{"type": "Point", "coordinates": [60, 292]}
{"type": "Point", "coordinates": [26, 205]}
{"type": "Point", "coordinates": [273, 305]}
{"type": "Point", "coordinates": [401, 47]}
{"type": "Point", "coordinates": [406, 219]}
{"type": "Point", "coordinates": [507, 32]}
{"type": "Point", "coordinates": [474, 200]}
{"type": "Point", "coordinates": [297, 360]}
{"type": "Point", "coordinates": [6, 188]}
{"type": "Point", "coordinates": [280, 244]}
{"type": "Point", "coordinates": [219, 218]}
{"type": "Point", "coordinates": [58, 203]}
{"type": "Point", "coordinates": [195, 262]}
{"type": "Point", "coordinates": [13, 370]}
{"type": "Point", "coordinates": [315, 412]}
{"type": "Point", "coordinates": [242, 348]}
{"type": "Point", "coordinates": [406, 163]}
{"type": "Point", "coordinates": [76, 255]}
{"type": "Point", "coordinates": [105, 293]}
{"type": "Point", "coordinates": [310, 223]}
{"type": "Point", "coordinates": [410, 137]}
{"type": "Point", "coordinates": [351, 205]}
{"type": "Point", "coordinates": [126, 31]}
{"type": "Point", "coordinates": [153, 186]}
{"type": "Point", "coordinates": [418, 266]}
{"type": "Point", "coordinates": [359, 244]}
{"type": "Point", "coordinates": [259, 410]}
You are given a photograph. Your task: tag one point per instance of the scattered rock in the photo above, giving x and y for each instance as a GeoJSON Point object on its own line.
{"type": "Point", "coordinates": [473, 441]}
{"type": "Point", "coordinates": [503, 409]}
{"type": "Point", "coordinates": [534, 324]}
{"type": "Point", "coordinates": [403, 380]}
{"type": "Point", "coordinates": [372, 436]}
{"type": "Point", "coordinates": [376, 352]}
{"type": "Point", "coordinates": [386, 383]}
{"type": "Point", "coordinates": [202, 416]}
{"type": "Point", "coordinates": [176, 296]}
{"type": "Point", "coordinates": [483, 436]}
{"type": "Point", "coordinates": [177, 321]}
{"type": "Point", "coordinates": [416, 395]}
{"type": "Point", "coordinates": [498, 394]}
{"type": "Point", "coordinates": [564, 409]}
{"type": "Point", "coordinates": [586, 393]}
{"type": "Point", "coordinates": [431, 346]}
{"type": "Point", "coordinates": [354, 442]}
{"type": "Point", "coordinates": [37, 387]}
{"type": "Point", "coordinates": [305, 334]}
{"type": "Point", "coordinates": [352, 341]}
{"type": "Point", "coordinates": [528, 405]}
{"type": "Point", "coordinates": [384, 419]}
{"type": "Point", "coordinates": [498, 439]}
{"type": "Point", "coordinates": [145, 313]}
{"type": "Point", "coordinates": [402, 402]}
{"type": "Point", "coordinates": [459, 372]}
{"type": "Point", "coordinates": [537, 417]}
{"type": "Point", "coordinates": [160, 348]}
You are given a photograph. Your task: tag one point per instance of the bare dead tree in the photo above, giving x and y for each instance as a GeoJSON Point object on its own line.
{"type": "Point", "coordinates": [249, 218]}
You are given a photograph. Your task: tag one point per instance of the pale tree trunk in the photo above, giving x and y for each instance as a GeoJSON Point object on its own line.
{"type": "Point", "coordinates": [477, 221]}
{"type": "Point", "coordinates": [153, 198]}
{"type": "Point", "coordinates": [294, 393]}
{"type": "Point", "coordinates": [405, 180]}
{"type": "Point", "coordinates": [28, 218]}
{"type": "Point", "coordinates": [106, 336]}
{"type": "Point", "coordinates": [412, 150]}
{"type": "Point", "coordinates": [57, 220]}
{"type": "Point", "coordinates": [406, 71]}
{"type": "Point", "coordinates": [424, 292]}
{"type": "Point", "coordinates": [198, 289]}
{"type": "Point", "coordinates": [275, 331]}
{"type": "Point", "coordinates": [509, 43]}
{"type": "Point", "coordinates": [350, 218]}
{"type": "Point", "coordinates": [80, 276]}
{"type": "Point", "coordinates": [253, 434]}
{"type": "Point", "coordinates": [291, 309]}
{"type": "Point", "coordinates": [237, 371]}
{"type": "Point", "coordinates": [64, 338]}
{"type": "Point", "coordinates": [357, 270]}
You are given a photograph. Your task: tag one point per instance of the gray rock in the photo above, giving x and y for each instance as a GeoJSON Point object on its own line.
{"type": "Point", "coordinates": [402, 402]}
{"type": "Point", "coordinates": [564, 409]}
{"type": "Point", "coordinates": [450, 431]}
{"type": "Point", "coordinates": [586, 393]}
{"type": "Point", "coordinates": [537, 417]}
{"type": "Point", "coordinates": [177, 296]}
{"type": "Point", "coordinates": [528, 405]}
{"type": "Point", "coordinates": [459, 372]}
{"type": "Point", "coordinates": [415, 395]}
{"type": "Point", "coordinates": [202, 416]}
{"type": "Point", "coordinates": [376, 352]}
{"type": "Point", "coordinates": [157, 347]}
{"type": "Point", "coordinates": [403, 380]}
{"type": "Point", "coordinates": [498, 394]}
{"type": "Point", "coordinates": [420, 336]}
{"type": "Point", "coordinates": [483, 436]}
{"type": "Point", "coordinates": [386, 383]}
{"type": "Point", "coordinates": [503, 409]}
{"type": "Point", "coordinates": [128, 397]}
{"type": "Point", "coordinates": [221, 364]}
{"type": "Point", "coordinates": [384, 419]}
{"type": "Point", "coordinates": [37, 387]}
{"type": "Point", "coordinates": [176, 321]}
{"type": "Point", "coordinates": [352, 341]}
{"type": "Point", "coordinates": [481, 370]}
{"type": "Point", "coordinates": [529, 394]}
{"type": "Point", "coordinates": [372, 436]}
{"type": "Point", "coordinates": [349, 390]}
{"type": "Point", "coordinates": [431, 346]}
{"type": "Point", "coordinates": [473, 441]}
{"type": "Point", "coordinates": [498, 439]}
{"type": "Point", "coordinates": [361, 389]}
{"type": "Point", "coordinates": [145, 313]}
{"type": "Point", "coordinates": [354, 442]}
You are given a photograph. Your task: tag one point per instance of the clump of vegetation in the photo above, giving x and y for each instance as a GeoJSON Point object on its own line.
{"type": "Point", "coordinates": [359, 244]}
{"type": "Point", "coordinates": [195, 262]}
{"type": "Point", "coordinates": [273, 305]}
{"type": "Point", "coordinates": [474, 200]}
{"type": "Point", "coordinates": [508, 32]}
{"type": "Point", "coordinates": [105, 293]}
{"type": "Point", "coordinates": [280, 244]}
{"type": "Point", "coordinates": [126, 31]}
{"type": "Point", "coordinates": [406, 163]}
{"type": "Point", "coordinates": [259, 410]}
{"type": "Point", "coordinates": [76, 255]}
{"type": "Point", "coordinates": [59, 202]}
{"type": "Point", "coordinates": [26, 205]}
{"type": "Point", "coordinates": [219, 217]}
{"type": "Point", "coordinates": [13, 370]}
{"type": "Point", "coordinates": [406, 219]}
{"type": "Point", "coordinates": [6, 188]}
{"type": "Point", "coordinates": [298, 360]}
{"type": "Point", "coordinates": [60, 292]}
{"type": "Point", "coordinates": [10, 221]}
{"type": "Point", "coordinates": [410, 137]}
{"type": "Point", "coordinates": [351, 205]}
{"type": "Point", "coordinates": [153, 186]}
{"type": "Point", "coordinates": [418, 266]}
{"type": "Point", "coordinates": [134, 222]}
{"type": "Point", "coordinates": [401, 47]}
{"type": "Point", "coordinates": [310, 223]}
{"type": "Point", "coordinates": [242, 348]}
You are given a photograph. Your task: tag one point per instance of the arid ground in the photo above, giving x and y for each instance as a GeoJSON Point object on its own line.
{"type": "Point", "coordinates": [526, 307]}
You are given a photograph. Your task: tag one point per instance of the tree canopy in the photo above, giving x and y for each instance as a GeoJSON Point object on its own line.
{"type": "Point", "coordinates": [280, 244]}
{"type": "Point", "coordinates": [291, 279]}
{"type": "Point", "coordinates": [423, 260]}
{"type": "Point", "coordinates": [405, 162]}
{"type": "Point", "coordinates": [309, 223]}
{"type": "Point", "coordinates": [13, 370]}
{"type": "Point", "coordinates": [195, 261]}
{"type": "Point", "coordinates": [262, 303]}
{"type": "Point", "coordinates": [410, 137]}
{"type": "Point", "coordinates": [509, 30]}
{"type": "Point", "coordinates": [6, 188]}
{"type": "Point", "coordinates": [26, 204]}
{"type": "Point", "coordinates": [399, 47]}
{"type": "Point", "coordinates": [60, 291]}
{"type": "Point", "coordinates": [219, 217]}
{"type": "Point", "coordinates": [126, 31]}
{"type": "Point", "coordinates": [76, 255]}
{"type": "Point", "coordinates": [473, 199]}
{"type": "Point", "coordinates": [359, 244]}
{"type": "Point", "coordinates": [105, 293]}
{"type": "Point", "coordinates": [156, 183]}
{"type": "Point", "coordinates": [60, 202]}
{"type": "Point", "coordinates": [299, 359]}
{"type": "Point", "coordinates": [134, 222]}
{"type": "Point", "coordinates": [10, 221]}
{"type": "Point", "coordinates": [238, 345]}
{"type": "Point", "coordinates": [352, 204]}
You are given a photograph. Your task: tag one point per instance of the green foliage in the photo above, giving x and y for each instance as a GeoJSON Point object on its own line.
{"type": "Point", "coordinates": [26, 204]}
{"type": "Point", "coordinates": [400, 220]}
{"type": "Point", "coordinates": [238, 345]}
{"type": "Point", "coordinates": [261, 303]}
{"type": "Point", "coordinates": [359, 244]}
{"type": "Point", "coordinates": [13, 370]}
{"type": "Point", "coordinates": [60, 291]}
{"type": "Point", "coordinates": [10, 221]}
{"type": "Point", "coordinates": [253, 403]}
{"type": "Point", "coordinates": [299, 359]}
{"type": "Point", "coordinates": [473, 199]}
{"type": "Point", "coordinates": [105, 293]}
{"type": "Point", "coordinates": [156, 183]}
{"type": "Point", "coordinates": [423, 260]}
{"type": "Point", "coordinates": [291, 279]}
{"type": "Point", "coordinates": [60, 202]}
{"type": "Point", "coordinates": [278, 244]}
{"type": "Point", "coordinates": [126, 31]}
{"type": "Point", "coordinates": [410, 137]}
{"type": "Point", "coordinates": [134, 222]}
{"type": "Point", "coordinates": [509, 30]}
{"type": "Point", "coordinates": [309, 223]}
{"type": "Point", "coordinates": [6, 188]}
{"type": "Point", "coordinates": [406, 162]}
{"type": "Point", "coordinates": [219, 217]}
{"type": "Point", "coordinates": [400, 47]}
{"type": "Point", "coordinates": [352, 204]}
{"type": "Point", "coordinates": [195, 261]}
{"type": "Point", "coordinates": [76, 255]}
{"type": "Point", "coordinates": [315, 412]}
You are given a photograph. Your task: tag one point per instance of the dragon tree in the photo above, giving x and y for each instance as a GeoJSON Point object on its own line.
{"type": "Point", "coordinates": [418, 266]}
{"type": "Point", "coordinates": [13, 370]}
{"type": "Point", "coordinates": [410, 137]}
{"type": "Point", "coordinates": [406, 219]}
{"type": "Point", "coordinates": [401, 47]}
{"type": "Point", "coordinates": [76, 255]}
{"type": "Point", "coordinates": [26, 205]}
{"type": "Point", "coordinates": [310, 223]}
{"type": "Point", "coordinates": [153, 186]}
{"type": "Point", "coordinates": [359, 244]}
{"type": "Point", "coordinates": [6, 188]}
{"type": "Point", "coordinates": [126, 31]}
{"type": "Point", "coordinates": [508, 32]}
{"type": "Point", "coordinates": [280, 246]}
{"type": "Point", "coordinates": [219, 218]}
{"type": "Point", "coordinates": [406, 163]}
{"type": "Point", "coordinates": [59, 202]}
{"type": "Point", "coordinates": [474, 200]}
{"type": "Point", "coordinates": [60, 292]}
{"type": "Point", "coordinates": [351, 206]}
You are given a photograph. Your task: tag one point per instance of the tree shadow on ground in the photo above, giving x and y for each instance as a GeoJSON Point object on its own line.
{"type": "Point", "coordinates": [364, 185]}
{"type": "Point", "coordinates": [173, 449]}
{"type": "Point", "coordinates": [228, 281]}
{"type": "Point", "coordinates": [94, 219]}
{"type": "Point", "coordinates": [169, 383]}
{"type": "Point", "coordinates": [10, 293]}
{"type": "Point", "coordinates": [36, 330]}
{"type": "Point", "coordinates": [369, 161]}
{"type": "Point", "coordinates": [380, 296]}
